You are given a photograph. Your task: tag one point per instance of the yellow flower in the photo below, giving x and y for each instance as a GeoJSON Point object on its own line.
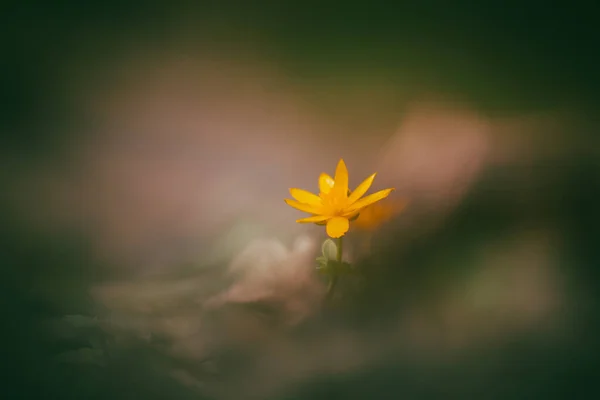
{"type": "Point", "coordinates": [335, 205]}
{"type": "Point", "coordinates": [375, 215]}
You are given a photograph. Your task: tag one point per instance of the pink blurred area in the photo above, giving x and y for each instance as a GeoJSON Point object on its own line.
{"type": "Point", "coordinates": [181, 153]}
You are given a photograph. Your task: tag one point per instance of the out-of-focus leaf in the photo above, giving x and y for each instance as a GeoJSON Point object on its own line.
{"type": "Point", "coordinates": [322, 267]}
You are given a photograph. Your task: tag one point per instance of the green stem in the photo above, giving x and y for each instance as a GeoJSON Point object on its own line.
{"type": "Point", "coordinates": [334, 277]}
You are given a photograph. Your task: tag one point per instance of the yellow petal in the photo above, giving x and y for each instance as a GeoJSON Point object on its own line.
{"type": "Point", "coordinates": [361, 189]}
{"type": "Point", "coordinates": [337, 226]}
{"type": "Point", "coordinates": [341, 179]}
{"type": "Point", "coordinates": [326, 183]}
{"type": "Point", "coordinates": [373, 216]}
{"type": "Point", "coordinates": [365, 201]}
{"type": "Point", "coordinates": [302, 206]}
{"type": "Point", "coordinates": [306, 197]}
{"type": "Point", "coordinates": [314, 219]}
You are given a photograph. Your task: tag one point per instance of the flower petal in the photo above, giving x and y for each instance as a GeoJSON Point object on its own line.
{"type": "Point", "coordinates": [341, 179]}
{"type": "Point", "coordinates": [365, 201]}
{"type": "Point", "coordinates": [314, 219]}
{"type": "Point", "coordinates": [326, 183]}
{"type": "Point", "coordinates": [375, 215]}
{"type": "Point", "coordinates": [337, 227]}
{"type": "Point", "coordinates": [306, 197]}
{"type": "Point", "coordinates": [302, 206]}
{"type": "Point", "coordinates": [361, 189]}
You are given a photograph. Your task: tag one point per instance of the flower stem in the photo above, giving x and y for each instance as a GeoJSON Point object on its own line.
{"type": "Point", "coordinates": [334, 277]}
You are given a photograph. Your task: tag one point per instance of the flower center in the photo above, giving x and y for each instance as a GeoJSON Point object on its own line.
{"type": "Point", "coordinates": [333, 204]}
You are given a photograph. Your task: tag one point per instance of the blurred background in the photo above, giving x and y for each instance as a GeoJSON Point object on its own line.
{"type": "Point", "coordinates": [146, 150]}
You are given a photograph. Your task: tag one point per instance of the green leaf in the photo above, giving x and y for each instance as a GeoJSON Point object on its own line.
{"type": "Point", "coordinates": [322, 268]}
{"type": "Point", "coordinates": [321, 261]}
{"type": "Point", "coordinates": [329, 249]}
